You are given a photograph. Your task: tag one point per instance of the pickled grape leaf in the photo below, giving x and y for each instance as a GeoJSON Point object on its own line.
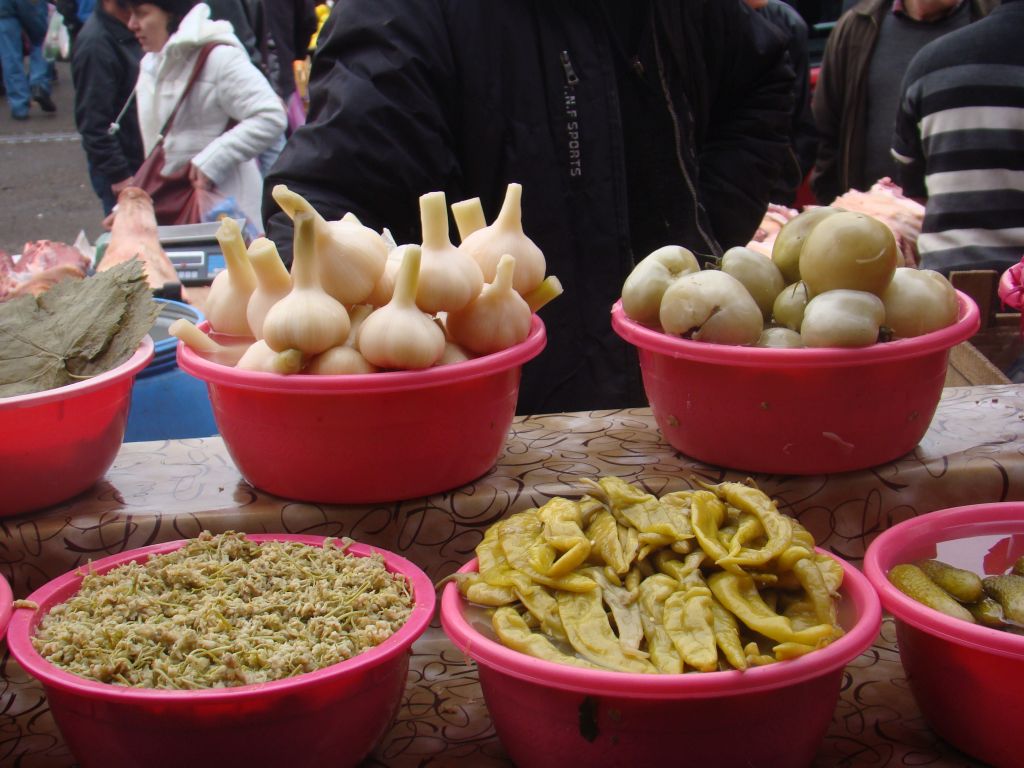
{"type": "Point", "coordinates": [77, 329]}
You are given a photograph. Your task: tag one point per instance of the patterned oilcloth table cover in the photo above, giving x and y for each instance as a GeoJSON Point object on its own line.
{"type": "Point", "coordinates": [160, 491]}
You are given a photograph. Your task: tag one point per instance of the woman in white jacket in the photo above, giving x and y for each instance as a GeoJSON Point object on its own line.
{"type": "Point", "coordinates": [231, 114]}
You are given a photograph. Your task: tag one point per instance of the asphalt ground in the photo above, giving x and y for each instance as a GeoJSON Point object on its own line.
{"type": "Point", "coordinates": [44, 183]}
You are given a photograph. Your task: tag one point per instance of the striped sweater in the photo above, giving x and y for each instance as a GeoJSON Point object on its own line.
{"type": "Point", "coordinates": [959, 142]}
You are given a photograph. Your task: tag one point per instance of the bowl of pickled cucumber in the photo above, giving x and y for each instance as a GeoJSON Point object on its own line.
{"type": "Point", "coordinates": [953, 581]}
{"type": "Point", "coordinates": [614, 626]}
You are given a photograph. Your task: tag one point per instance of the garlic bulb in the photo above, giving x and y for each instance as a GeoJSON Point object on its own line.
{"type": "Point", "coordinates": [339, 360]}
{"type": "Point", "coordinates": [272, 282]}
{"type": "Point", "coordinates": [453, 353]}
{"type": "Point", "coordinates": [188, 333]}
{"type": "Point", "coordinates": [351, 256]}
{"type": "Point", "coordinates": [505, 235]}
{"type": "Point", "coordinates": [260, 357]}
{"type": "Point", "coordinates": [497, 319]}
{"type": "Point", "coordinates": [307, 318]}
{"type": "Point", "coordinates": [230, 290]}
{"type": "Point", "coordinates": [469, 217]}
{"type": "Point", "coordinates": [399, 334]}
{"type": "Point", "coordinates": [385, 287]}
{"type": "Point", "coordinates": [448, 279]}
{"type": "Point", "coordinates": [357, 315]}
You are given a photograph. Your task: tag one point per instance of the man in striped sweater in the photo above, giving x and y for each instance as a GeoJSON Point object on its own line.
{"type": "Point", "coordinates": [959, 143]}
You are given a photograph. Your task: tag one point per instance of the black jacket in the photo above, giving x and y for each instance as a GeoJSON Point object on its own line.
{"type": "Point", "coordinates": [284, 28]}
{"type": "Point", "coordinates": [804, 133]}
{"type": "Point", "coordinates": [409, 96]}
{"type": "Point", "coordinates": [104, 67]}
{"type": "Point", "coordinates": [236, 13]}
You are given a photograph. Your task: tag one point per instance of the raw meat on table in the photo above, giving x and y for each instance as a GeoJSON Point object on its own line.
{"type": "Point", "coordinates": [42, 264]}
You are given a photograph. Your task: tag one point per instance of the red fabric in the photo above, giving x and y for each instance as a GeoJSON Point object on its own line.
{"type": "Point", "coordinates": [175, 199]}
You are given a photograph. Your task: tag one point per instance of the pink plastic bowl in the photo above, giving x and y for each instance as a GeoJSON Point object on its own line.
{"type": "Point", "coordinates": [58, 443]}
{"type": "Point", "coordinates": [794, 411]}
{"type": "Point", "coordinates": [366, 437]}
{"type": "Point", "coordinates": [549, 714]}
{"type": "Point", "coordinates": [333, 716]}
{"type": "Point", "coordinates": [965, 678]}
{"type": "Point", "coordinates": [6, 604]}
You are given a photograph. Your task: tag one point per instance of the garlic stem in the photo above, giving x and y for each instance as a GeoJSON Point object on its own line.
{"type": "Point", "coordinates": [229, 236]}
{"type": "Point", "coordinates": [225, 354]}
{"type": "Point", "coordinates": [187, 332]}
{"type": "Point", "coordinates": [304, 270]}
{"type": "Point", "coordinates": [287, 362]}
{"type": "Point", "coordinates": [407, 279]}
{"type": "Point", "coordinates": [260, 357]}
{"type": "Point", "coordinates": [511, 213]}
{"type": "Point", "coordinates": [292, 203]}
{"type": "Point", "coordinates": [434, 221]}
{"type": "Point", "coordinates": [504, 273]}
{"type": "Point", "coordinates": [270, 271]}
{"type": "Point", "coordinates": [469, 216]}
{"type": "Point", "coordinates": [550, 288]}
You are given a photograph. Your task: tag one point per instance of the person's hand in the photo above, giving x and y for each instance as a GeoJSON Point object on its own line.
{"type": "Point", "coordinates": [108, 223]}
{"type": "Point", "coordinates": [120, 185]}
{"type": "Point", "coordinates": [199, 179]}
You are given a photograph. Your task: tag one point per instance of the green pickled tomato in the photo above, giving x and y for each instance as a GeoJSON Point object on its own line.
{"type": "Point", "coordinates": [790, 240]}
{"type": "Point", "coordinates": [842, 318]}
{"type": "Point", "coordinates": [646, 284]}
{"type": "Point", "coordinates": [711, 306]}
{"type": "Point", "coordinates": [849, 250]}
{"type": "Point", "coordinates": [778, 337]}
{"type": "Point", "coordinates": [758, 274]}
{"type": "Point", "coordinates": [919, 301]}
{"type": "Point", "coordinates": [788, 307]}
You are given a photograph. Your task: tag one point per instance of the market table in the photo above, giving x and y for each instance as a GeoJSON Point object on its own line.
{"type": "Point", "coordinates": [161, 491]}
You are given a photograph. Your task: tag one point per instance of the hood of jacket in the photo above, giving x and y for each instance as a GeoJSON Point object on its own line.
{"type": "Point", "coordinates": [196, 30]}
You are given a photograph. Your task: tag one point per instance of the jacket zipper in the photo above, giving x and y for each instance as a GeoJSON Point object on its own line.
{"type": "Point", "coordinates": [711, 242]}
{"type": "Point", "coordinates": [570, 74]}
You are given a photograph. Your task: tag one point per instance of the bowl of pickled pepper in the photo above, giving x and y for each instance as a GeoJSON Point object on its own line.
{"type": "Point", "coordinates": [950, 580]}
{"type": "Point", "coordinates": [794, 411]}
{"type": "Point", "coordinates": [640, 680]}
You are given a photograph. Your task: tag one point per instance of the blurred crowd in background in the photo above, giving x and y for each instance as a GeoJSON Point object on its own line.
{"type": "Point", "coordinates": [849, 59]}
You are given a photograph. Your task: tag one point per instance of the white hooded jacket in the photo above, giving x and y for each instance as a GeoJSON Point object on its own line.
{"type": "Point", "coordinates": [229, 89]}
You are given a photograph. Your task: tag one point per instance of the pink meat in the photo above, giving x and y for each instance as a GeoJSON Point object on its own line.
{"type": "Point", "coordinates": [41, 255]}
{"type": "Point", "coordinates": [42, 264]}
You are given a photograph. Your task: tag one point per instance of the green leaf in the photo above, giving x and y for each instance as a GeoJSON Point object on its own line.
{"type": "Point", "coordinates": [77, 329]}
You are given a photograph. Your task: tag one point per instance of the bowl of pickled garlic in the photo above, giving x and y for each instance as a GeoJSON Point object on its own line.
{"type": "Point", "coordinates": [554, 711]}
{"type": "Point", "coordinates": [794, 411]}
{"type": "Point", "coordinates": [365, 438]}
{"type": "Point", "coordinates": [965, 676]}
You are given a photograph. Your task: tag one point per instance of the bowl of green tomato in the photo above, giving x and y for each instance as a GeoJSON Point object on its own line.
{"type": "Point", "coordinates": [763, 364]}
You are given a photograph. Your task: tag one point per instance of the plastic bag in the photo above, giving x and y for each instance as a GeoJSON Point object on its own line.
{"type": "Point", "coordinates": [296, 111]}
{"type": "Point", "coordinates": [57, 42]}
{"type": "Point", "coordinates": [213, 206]}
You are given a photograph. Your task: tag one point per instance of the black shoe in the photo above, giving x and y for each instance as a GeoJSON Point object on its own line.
{"type": "Point", "coordinates": [42, 98]}
{"type": "Point", "coordinates": [19, 115]}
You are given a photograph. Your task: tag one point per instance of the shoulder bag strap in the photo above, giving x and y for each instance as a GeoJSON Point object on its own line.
{"type": "Point", "coordinates": [204, 53]}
